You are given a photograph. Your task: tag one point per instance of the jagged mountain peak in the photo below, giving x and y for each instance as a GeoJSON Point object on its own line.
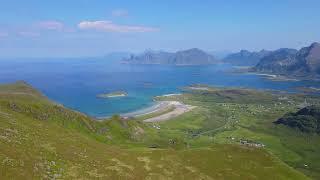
{"type": "Point", "coordinates": [305, 62]}
{"type": "Point", "coordinates": [315, 45]}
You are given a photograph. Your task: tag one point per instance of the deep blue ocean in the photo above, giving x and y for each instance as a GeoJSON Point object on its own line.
{"type": "Point", "coordinates": [76, 82]}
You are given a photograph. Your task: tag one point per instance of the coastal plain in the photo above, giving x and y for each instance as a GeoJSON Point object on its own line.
{"type": "Point", "coordinates": [204, 143]}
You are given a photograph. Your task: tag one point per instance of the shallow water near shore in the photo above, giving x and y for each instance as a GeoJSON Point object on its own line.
{"type": "Point", "coordinates": [75, 83]}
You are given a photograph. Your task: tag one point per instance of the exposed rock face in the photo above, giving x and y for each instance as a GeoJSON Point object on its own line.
{"type": "Point", "coordinates": [279, 61]}
{"type": "Point", "coordinates": [305, 62]}
{"type": "Point", "coordinates": [188, 57]}
{"type": "Point", "coordinates": [310, 56]}
{"type": "Point", "coordinates": [246, 58]}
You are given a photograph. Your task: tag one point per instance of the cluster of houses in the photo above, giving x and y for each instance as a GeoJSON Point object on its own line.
{"type": "Point", "coordinates": [251, 143]}
{"type": "Point", "coordinates": [156, 126]}
{"type": "Point", "coordinates": [247, 142]}
{"type": "Point", "coordinates": [172, 141]}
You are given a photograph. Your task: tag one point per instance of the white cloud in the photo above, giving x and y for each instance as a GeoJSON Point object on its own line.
{"type": "Point", "coordinates": [109, 26]}
{"type": "Point", "coordinates": [120, 13]}
{"type": "Point", "coordinates": [51, 25]}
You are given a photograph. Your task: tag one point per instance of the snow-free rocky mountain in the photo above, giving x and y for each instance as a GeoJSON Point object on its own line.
{"type": "Point", "coordinates": [245, 58]}
{"type": "Point", "coordinates": [305, 62]}
{"type": "Point", "coordinates": [187, 57]}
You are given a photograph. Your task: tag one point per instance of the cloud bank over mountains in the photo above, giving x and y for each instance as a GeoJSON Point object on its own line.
{"type": "Point", "coordinates": [42, 27]}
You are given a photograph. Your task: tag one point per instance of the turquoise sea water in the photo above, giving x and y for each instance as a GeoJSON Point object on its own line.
{"type": "Point", "coordinates": [76, 82]}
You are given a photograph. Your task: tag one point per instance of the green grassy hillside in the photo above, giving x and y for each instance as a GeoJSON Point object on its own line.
{"type": "Point", "coordinates": [43, 140]}
{"type": "Point", "coordinates": [306, 119]}
{"type": "Point", "coordinates": [229, 115]}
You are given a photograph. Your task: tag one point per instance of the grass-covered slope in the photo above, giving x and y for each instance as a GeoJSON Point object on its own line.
{"type": "Point", "coordinates": [306, 119]}
{"type": "Point", "coordinates": [43, 140]}
{"type": "Point", "coordinates": [229, 115]}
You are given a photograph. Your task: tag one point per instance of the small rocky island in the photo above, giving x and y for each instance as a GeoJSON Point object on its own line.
{"type": "Point", "coordinates": [113, 94]}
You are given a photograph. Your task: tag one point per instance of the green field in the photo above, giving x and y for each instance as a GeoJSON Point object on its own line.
{"type": "Point", "coordinates": [228, 115]}
{"type": "Point", "coordinates": [43, 140]}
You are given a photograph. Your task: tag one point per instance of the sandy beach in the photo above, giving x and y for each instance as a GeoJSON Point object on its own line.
{"type": "Point", "coordinates": [157, 107]}
{"type": "Point", "coordinates": [199, 88]}
{"type": "Point", "coordinates": [177, 107]}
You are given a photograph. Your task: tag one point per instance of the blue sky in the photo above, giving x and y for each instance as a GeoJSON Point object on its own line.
{"type": "Point", "coordinates": [75, 28]}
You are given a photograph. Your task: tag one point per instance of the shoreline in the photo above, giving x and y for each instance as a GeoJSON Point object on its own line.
{"type": "Point", "coordinates": [158, 106]}
{"type": "Point", "coordinates": [178, 108]}
{"type": "Point", "coordinates": [269, 75]}
{"type": "Point", "coordinates": [275, 77]}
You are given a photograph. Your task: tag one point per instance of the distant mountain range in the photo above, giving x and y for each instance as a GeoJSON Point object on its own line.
{"type": "Point", "coordinates": [245, 58]}
{"type": "Point", "coordinates": [187, 57]}
{"type": "Point", "coordinates": [291, 62]}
